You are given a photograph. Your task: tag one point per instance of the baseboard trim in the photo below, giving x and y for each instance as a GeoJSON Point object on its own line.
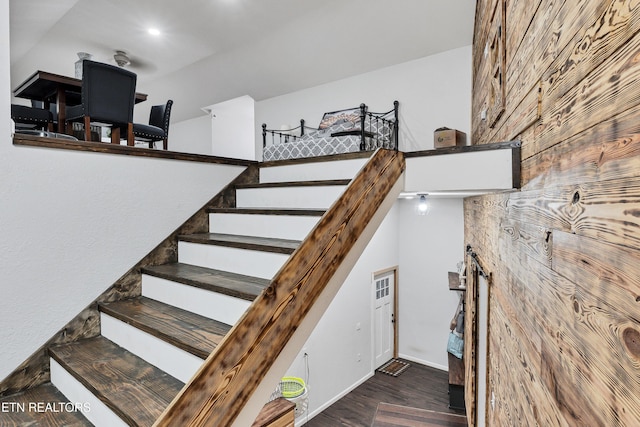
{"type": "Point", "coordinates": [370, 374]}
{"type": "Point", "coordinates": [324, 406]}
{"type": "Point", "coordinates": [424, 362]}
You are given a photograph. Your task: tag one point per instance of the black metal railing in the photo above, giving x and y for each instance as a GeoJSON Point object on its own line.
{"type": "Point", "coordinates": [377, 130]}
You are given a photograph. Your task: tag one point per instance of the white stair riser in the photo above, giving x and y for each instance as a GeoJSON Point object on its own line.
{"type": "Point", "coordinates": [342, 169]}
{"type": "Point", "coordinates": [220, 307]}
{"type": "Point", "coordinates": [241, 261]}
{"type": "Point", "coordinates": [99, 414]}
{"type": "Point", "coordinates": [276, 226]}
{"type": "Point", "coordinates": [319, 197]}
{"type": "Point", "coordinates": [176, 362]}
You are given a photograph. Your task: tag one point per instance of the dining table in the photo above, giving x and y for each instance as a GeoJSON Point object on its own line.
{"type": "Point", "coordinates": [55, 88]}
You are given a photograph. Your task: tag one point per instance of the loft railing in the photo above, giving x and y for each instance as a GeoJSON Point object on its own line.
{"type": "Point", "coordinates": [376, 130]}
{"type": "Point", "coordinates": [223, 385]}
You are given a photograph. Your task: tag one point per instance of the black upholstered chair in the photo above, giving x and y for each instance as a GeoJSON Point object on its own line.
{"type": "Point", "coordinates": [27, 117]}
{"type": "Point", "coordinates": [158, 127]}
{"type": "Point", "coordinates": [108, 96]}
{"type": "Point", "coordinates": [53, 107]}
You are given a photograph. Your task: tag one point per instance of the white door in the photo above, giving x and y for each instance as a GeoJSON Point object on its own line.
{"type": "Point", "coordinates": [384, 289]}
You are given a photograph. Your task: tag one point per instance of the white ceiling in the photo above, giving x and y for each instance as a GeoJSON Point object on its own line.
{"type": "Point", "coordinates": [214, 50]}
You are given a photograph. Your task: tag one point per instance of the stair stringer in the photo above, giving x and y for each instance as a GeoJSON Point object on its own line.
{"type": "Point", "coordinates": [262, 393]}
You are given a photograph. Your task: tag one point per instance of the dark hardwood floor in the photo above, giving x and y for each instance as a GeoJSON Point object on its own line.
{"type": "Point", "coordinates": [418, 387]}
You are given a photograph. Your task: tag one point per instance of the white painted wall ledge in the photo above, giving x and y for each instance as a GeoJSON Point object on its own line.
{"type": "Point", "coordinates": [465, 169]}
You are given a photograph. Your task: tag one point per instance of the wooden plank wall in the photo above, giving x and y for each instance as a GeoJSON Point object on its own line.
{"type": "Point", "coordinates": [564, 251]}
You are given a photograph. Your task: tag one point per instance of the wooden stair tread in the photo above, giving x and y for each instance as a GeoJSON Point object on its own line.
{"type": "Point", "coordinates": [135, 390]}
{"type": "Point", "coordinates": [29, 408]}
{"type": "Point", "coordinates": [191, 332]}
{"type": "Point", "coordinates": [268, 211]}
{"type": "Point", "coordinates": [265, 244]}
{"type": "Point", "coordinates": [322, 183]}
{"type": "Point", "coordinates": [224, 282]}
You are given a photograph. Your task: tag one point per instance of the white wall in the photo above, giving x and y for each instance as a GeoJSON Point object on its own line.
{"type": "Point", "coordinates": [226, 131]}
{"type": "Point", "coordinates": [429, 247]}
{"type": "Point", "coordinates": [232, 128]}
{"type": "Point", "coordinates": [191, 136]}
{"type": "Point", "coordinates": [336, 342]}
{"type": "Point", "coordinates": [425, 249]}
{"type": "Point", "coordinates": [5, 73]}
{"type": "Point", "coordinates": [73, 222]}
{"type": "Point", "coordinates": [433, 91]}
{"type": "Point", "coordinates": [460, 172]}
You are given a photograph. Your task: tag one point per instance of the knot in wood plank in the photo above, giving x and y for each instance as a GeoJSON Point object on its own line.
{"type": "Point", "coordinates": [631, 339]}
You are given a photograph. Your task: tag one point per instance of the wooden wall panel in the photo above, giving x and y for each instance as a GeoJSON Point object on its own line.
{"type": "Point", "coordinates": [610, 30]}
{"type": "Point", "coordinates": [607, 91]}
{"type": "Point", "coordinates": [608, 150]}
{"type": "Point", "coordinates": [535, 46]}
{"type": "Point", "coordinates": [603, 334]}
{"type": "Point", "coordinates": [553, 29]}
{"type": "Point", "coordinates": [521, 38]}
{"type": "Point", "coordinates": [563, 252]}
{"type": "Point", "coordinates": [496, 57]}
{"type": "Point", "coordinates": [605, 210]}
{"type": "Point", "coordinates": [517, 117]}
{"type": "Point", "coordinates": [470, 330]}
{"type": "Point", "coordinates": [482, 19]}
{"type": "Point", "coordinates": [479, 103]}
{"type": "Point", "coordinates": [517, 27]}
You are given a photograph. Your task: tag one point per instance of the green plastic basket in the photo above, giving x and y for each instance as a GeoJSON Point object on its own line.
{"type": "Point", "coordinates": [291, 387]}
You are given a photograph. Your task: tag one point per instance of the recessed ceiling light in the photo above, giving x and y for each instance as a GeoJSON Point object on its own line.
{"type": "Point", "coordinates": [154, 31]}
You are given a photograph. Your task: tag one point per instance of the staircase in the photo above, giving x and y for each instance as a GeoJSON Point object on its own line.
{"type": "Point", "coordinates": [151, 345]}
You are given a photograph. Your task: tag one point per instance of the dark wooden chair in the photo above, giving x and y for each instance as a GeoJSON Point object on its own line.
{"type": "Point", "coordinates": [27, 117]}
{"type": "Point", "coordinates": [158, 127]}
{"type": "Point", "coordinates": [108, 96]}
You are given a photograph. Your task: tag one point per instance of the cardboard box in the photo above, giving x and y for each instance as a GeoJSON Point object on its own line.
{"type": "Point", "coordinates": [445, 137]}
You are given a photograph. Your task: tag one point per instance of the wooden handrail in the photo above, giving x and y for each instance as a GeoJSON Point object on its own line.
{"type": "Point", "coordinates": [225, 382]}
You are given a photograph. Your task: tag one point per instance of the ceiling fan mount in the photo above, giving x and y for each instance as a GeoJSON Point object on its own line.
{"type": "Point", "coordinates": [131, 61]}
{"type": "Point", "coordinates": [121, 58]}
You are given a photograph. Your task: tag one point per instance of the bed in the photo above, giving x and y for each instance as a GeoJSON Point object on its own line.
{"type": "Point", "coordinates": [343, 131]}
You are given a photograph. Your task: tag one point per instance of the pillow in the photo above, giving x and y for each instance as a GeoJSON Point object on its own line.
{"type": "Point", "coordinates": [347, 119]}
{"type": "Point", "coordinates": [343, 125]}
